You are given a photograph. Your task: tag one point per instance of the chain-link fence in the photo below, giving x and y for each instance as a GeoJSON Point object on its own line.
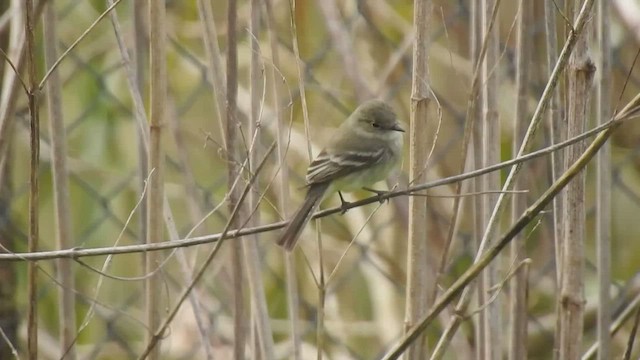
{"type": "Point", "coordinates": [363, 305]}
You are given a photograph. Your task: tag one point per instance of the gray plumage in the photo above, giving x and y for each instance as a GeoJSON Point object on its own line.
{"type": "Point", "coordinates": [363, 150]}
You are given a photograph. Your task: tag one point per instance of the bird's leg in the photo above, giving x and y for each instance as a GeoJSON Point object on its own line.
{"type": "Point", "coordinates": [343, 203]}
{"type": "Point", "coordinates": [377, 192]}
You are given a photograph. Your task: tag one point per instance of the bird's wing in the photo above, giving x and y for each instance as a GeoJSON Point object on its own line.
{"type": "Point", "coordinates": [327, 166]}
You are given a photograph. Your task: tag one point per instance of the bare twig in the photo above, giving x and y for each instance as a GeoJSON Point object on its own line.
{"type": "Point", "coordinates": [632, 337]}
{"type": "Point", "coordinates": [341, 38]}
{"type": "Point", "coordinates": [283, 194]}
{"type": "Point", "coordinates": [75, 43]}
{"type": "Point", "coordinates": [471, 127]}
{"type": "Point", "coordinates": [490, 228]}
{"type": "Point", "coordinates": [128, 249]}
{"type": "Point", "coordinates": [530, 214]}
{"type": "Point", "coordinates": [625, 315]}
{"type": "Point", "coordinates": [253, 261]}
{"type": "Point", "coordinates": [198, 275]}
{"type": "Point", "coordinates": [215, 66]}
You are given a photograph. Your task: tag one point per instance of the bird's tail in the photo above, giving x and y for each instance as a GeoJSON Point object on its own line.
{"type": "Point", "coordinates": [311, 202]}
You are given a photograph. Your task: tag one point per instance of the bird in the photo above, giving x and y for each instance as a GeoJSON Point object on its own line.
{"type": "Point", "coordinates": [364, 149]}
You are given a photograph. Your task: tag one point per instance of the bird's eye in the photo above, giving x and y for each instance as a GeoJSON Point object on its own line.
{"type": "Point", "coordinates": [375, 125]}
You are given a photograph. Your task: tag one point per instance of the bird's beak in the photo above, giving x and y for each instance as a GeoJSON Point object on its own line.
{"type": "Point", "coordinates": [397, 127]}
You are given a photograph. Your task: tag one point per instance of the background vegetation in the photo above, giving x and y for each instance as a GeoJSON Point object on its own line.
{"type": "Point", "coordinates": [302, 66]}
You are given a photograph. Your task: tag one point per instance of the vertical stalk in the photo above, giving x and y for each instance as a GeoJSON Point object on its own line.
{"type": "Point", "coordinates": [155, 195]}
{"type": "Point", "coordinates": [259, 310]}
{"type": "Point", "coordinates": [64, 238]}
{"type": "Point", "coordinates": [571, 295]}
{"type": "Point", "coordinates": [11, 82]}
{"type": "Point", "coordinates": [341, 39]}
{"type": "Point", "coordinates": [491, 155]}
{"type": "Point", "coordinates": [558, 129]}
{"type": "Point", "coordinates": [215, 69]}
{"type": "Point", "coordinates": [140, 56]}
{"type": "Point", "coordinates": [239, 321]}
{"type": "Point", "coordinates": [419, 283]}
{"type": "Point", "coordinates": [477, 43]}
{"type": "Point", "coordinates": [9, 314]}
{"type": "Point", "coordinates": [8, 93]}
{"type": "Point", "coordinates": [556, 124]}
{"type": "Point", "coordinates": [518, 289]}
{"type": "Point", "coordinates": [283, 194]}
{"type": "Point", "coordinates": [603, 184]}
{"type": "Point", "coordinates": [34, 164]}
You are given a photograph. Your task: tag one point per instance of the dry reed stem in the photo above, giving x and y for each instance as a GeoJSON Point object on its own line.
{"type": "Point", "coordinates": [491, 316]}
{"type": "Point", "coordinates": [616, 325]}
{"type": "Point", "coordinates": [140, 60]}
{"type": "Point", "coordinates": [603, 184]}
{"type": "Point", "coordinates": [11, 82]}
{"type": "Point", "coordinates": [470, 126]}
{"type": "Point", "coordinates": [133, 76]}
{"type": "Point", "coordinates": [580, 23]}
{"type": "Point", "coordinates": [341, 38]}
{"type": "Point", "coordinates": [475, 128]}
{"type": "Point", "coordinates": [461, 284]}
{"type": "Point", "coordinates": [232, 234]}
{"type": "Point", "coordinates": [517, 304]}
{"type": "Point", "coordinates": [283, 193]}
{"type": "Point", "coordinates": [215, 69]}
{"type": "Point", "coordinates": [64, 236]}
{"type": "Point", "coordinates": [203, 268]}
{"type": "Point", "coordinates": [155, 194]}
{"type": "Point", "coordinates": [76, 42]}
{"type": "Point", "coordinates": [34, 164]}
{"type": "Point", "coordinates": [556, 123]}
{"type": "Point", "coordinates": [253, 262]}
{"type": "Point", "coordinates": [571, 295]}
{"type": "Point", "coordinates": [419, 282]}
{"type": "Point", "coordinates": [240, 324]}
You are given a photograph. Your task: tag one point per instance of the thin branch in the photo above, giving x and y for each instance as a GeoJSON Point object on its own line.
{"type": "Point", "coordinates": [128, 249]}
{"type": "Point", "coordinates": [625, 315]}
{"type": "Point", "coordinates": [632, 337]}
{"type": "Point", "coordinates": [75, 43]}
{"type": "Point", "coordinates": [253, 260]}
{"type": "Point", "coordinates": [341, 38]}
{"type": "Point", "coordinates": [232, 218]}
{"type": "Point", "coordinates": [15, 69]}
{"type": "Point", "coordinates": [283, 194]}
{"type": "Point", "coordinates": [490, 228]}
{"type": "Point", "coordinates": [529, 215]}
